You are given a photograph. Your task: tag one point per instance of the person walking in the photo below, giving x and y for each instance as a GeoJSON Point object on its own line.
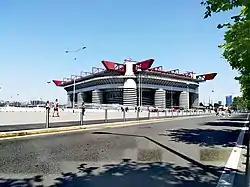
{"type": "Point", "coordinates": [47, 105]}
{"type": "Point", "coordinates": [56, 108]}
{"type": "Point", "coordinates": [83, 108]}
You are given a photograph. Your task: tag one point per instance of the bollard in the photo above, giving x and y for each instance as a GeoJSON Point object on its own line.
{"type": "Point", "coordinates": [172, 113]}
{"type": "Point", "coordinates": [148, 114]}
{"type": "Point", "coordinates": [165, 113]}
{"type": "Point", "coordinates": [124, 116]}
{"type": "Point", "coordinates": [138, 115]}
{"type": "Point", "coordinates": [157, 114]}
{"type": "Point", "coordinates": [47, 118]}
{"type": "Point", "coordinates": [106, 115]}
{"type": "Point", "coordinates": [81, 116]}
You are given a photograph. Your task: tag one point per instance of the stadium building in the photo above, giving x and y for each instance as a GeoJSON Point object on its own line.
{"type": "Point", "coordinates": [135, 84]}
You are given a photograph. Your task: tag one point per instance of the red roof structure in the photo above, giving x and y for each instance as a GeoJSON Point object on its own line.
{"type": "Point", "coordinates": [143, 65]}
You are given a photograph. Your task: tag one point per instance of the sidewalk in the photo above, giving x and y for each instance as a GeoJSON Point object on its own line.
{"type": "Point", "coordinates": [20, 118]}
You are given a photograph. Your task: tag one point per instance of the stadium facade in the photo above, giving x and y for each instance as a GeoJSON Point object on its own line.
{"type": "Point", "coordinates": [135, 84]}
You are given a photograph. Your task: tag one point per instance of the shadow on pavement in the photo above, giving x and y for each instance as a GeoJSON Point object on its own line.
{"type": "Point", "coordinates": [224, 123]}
{"type": "Point", "coordinates": [211, 137]}
{"type": "Point", "coordinates": [194, 162]}
{"type": "Point", "coordinates": [233, 119]}
{"type": "Point", "coordinates": [130, 173]}
{"type": "Point", "coordinates": [127, 173]}
{"type": "Point", "coordinates": [205, 137]}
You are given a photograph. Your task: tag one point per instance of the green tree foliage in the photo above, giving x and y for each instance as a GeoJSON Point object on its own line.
{"type": "Point", "coordinates": [236, 49]}
{"type": "Point", "coordinates": [239, 103]}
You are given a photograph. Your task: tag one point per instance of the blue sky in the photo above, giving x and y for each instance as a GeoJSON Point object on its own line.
{"type": "Point", "coordinates": [35, 34]}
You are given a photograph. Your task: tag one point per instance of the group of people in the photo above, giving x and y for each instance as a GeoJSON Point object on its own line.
{"type": "Point", "coordinates": [222, 111]}
{"type": "Point", "coordinates": [55, 108]}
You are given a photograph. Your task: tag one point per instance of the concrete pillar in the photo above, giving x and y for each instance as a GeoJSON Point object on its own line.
{"type": "Point", "coordinates": [97, 97]}
{"type": "Point", "coordinates": [195, 100]}
{"type": "Point", "coordinates": [184, 100]}
{"type": "Point", "coordinates": [69, 100]}
{"type": "Point", "coordinates": [160, 98]}
{"type": "Point", "coordinates": [129, 93]}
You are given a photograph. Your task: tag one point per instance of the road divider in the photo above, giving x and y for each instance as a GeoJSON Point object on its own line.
{"type": "Point", "coordinates": [23, 133]}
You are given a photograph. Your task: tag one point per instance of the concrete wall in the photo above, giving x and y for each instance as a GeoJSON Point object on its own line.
{"type": "Point", "coordinates": [184, 99]}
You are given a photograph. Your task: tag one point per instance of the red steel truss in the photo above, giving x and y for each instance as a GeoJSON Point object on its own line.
{"type": "Point", "coordinates": [97, 70]}
{"type": "Point", "coordinates": [85, 73]}
{"type": "Point", "coordinates": [206, 76]}
{"type": "Point", "coordinates": [143, 65]}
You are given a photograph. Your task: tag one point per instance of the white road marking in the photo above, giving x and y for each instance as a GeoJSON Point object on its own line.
{"type": "Point", "coordinates": [228, 175]}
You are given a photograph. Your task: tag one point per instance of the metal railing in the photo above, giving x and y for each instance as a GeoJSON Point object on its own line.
{"type": "Point", "coordinates": [126, 116]}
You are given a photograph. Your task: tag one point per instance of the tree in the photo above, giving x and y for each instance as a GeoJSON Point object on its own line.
{"type": "Point", "coordinates": [239, 103]}
{"type": "Point", "coordinates": [236, 49]}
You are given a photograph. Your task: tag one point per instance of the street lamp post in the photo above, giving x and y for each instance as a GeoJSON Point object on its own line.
{"type": "Point", "coordinates": [187, 95]}
{"type": "Point", "coordinates": [141, 89]}
{"type": "Point", "coordinates": [74, 93]}
{"type": "Point", "coordinates": [74, 86]}
{"type": "Point", "coordinates": [75, 50]}
{"type": "Point", "coordinates": [171, 97]}
{"type": "Point", "coordinates": [139, 86]}
{"type": "Point", "coordinates": [210, 99]}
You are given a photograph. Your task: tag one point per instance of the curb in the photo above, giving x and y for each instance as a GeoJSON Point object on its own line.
{"type": "Point", "coordinates": [86, 127]}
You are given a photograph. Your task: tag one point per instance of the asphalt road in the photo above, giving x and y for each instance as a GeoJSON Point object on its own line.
{"type": "Point", "coordinates": [179, 153]}
{"type": "Point", "coordinates": [7, 128]}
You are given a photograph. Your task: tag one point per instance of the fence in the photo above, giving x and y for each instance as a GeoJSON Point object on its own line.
{"type": "Point", "coordinates": [109, 116]}
{"type": "Point", "coordinates": [13, 120]}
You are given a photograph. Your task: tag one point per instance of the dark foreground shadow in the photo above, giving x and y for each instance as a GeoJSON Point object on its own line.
{"type": "Point", "coordinates": [226, 123]}
{"type": "Point", "coordinates": [129, 174]}
{"type": "Point", "coordinates": [233, 119]}
{"type": "Point", "coordinates": [205, 137]}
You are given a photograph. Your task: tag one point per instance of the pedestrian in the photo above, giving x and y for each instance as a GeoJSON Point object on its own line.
{"type": "Point", "coordinates": [56, 108]}
{"type": "Point", "coordinates": [83, 108]}
{"type": "Point", "coordinates": [126, 109]}
{"type": "Point", "coordinates": [47, 105]}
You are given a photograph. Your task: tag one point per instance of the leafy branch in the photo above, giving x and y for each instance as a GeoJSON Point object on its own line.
{"type": "Point", "coordinates": [236, 48]}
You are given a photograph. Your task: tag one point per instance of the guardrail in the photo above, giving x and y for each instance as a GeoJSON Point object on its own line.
{"type": "Point", "coordinates": [25, 120]}
{"type": "Point", "coordinates": [140, 115]}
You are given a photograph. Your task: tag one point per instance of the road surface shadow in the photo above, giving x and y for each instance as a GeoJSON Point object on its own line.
{"type": "Point", "coordinates": [205, 137]}
{"type": "Point", "coordinates": [233, 119]}
{"type": "Point", "coordinates": [207, 168]}
{"type": "Point", "coordinates": [127, 173]}
{"type": "Point", "coordinates": [224, 123]}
